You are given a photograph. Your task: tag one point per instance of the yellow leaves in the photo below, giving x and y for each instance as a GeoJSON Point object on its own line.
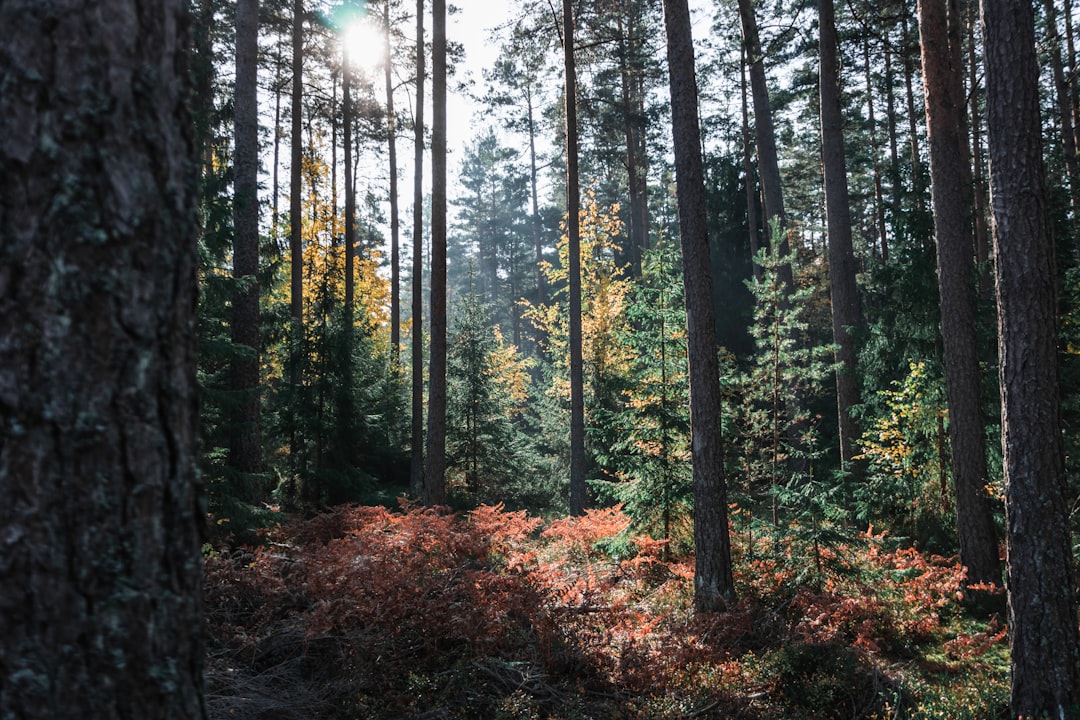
{"type": "Point", "coordinates": [604, 291]}
{"type": "Point", "coordinates": [510, 371]}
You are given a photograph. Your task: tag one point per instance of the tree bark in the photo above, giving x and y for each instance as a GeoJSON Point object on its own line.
{"type": "Point", "coordinates": [435, 463]}
{"type": "Point", "coordinates": [296, 242]}
{"type": "Point", "coordinates": [942, 62]}
{"type": "Point", "coordinates": [245, 446]}
{"type": "Point", "coordinates": [416, 467]}
{"type": "Point", "coordinates": [713, 583]}
{"type": "Point", "coordinates": [846, 313]}
{"type": "Point", "coordinates": [578, 489]}
{"type": "Point", "coordinates": [1043, 640]}
{"type": "Point", "coordinates": [395, 220]}
{"type": "Point", "coordinates": [100, 573]}
{"type": "Point", "coordinates": [768, 162]}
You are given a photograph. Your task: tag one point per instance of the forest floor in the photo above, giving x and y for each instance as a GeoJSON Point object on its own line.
{"type": "Point", "coordinates": [370, 613]}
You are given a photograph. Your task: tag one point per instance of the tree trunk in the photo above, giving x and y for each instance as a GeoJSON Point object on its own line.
{"type": "Point", "coordinates": [245, 446]}
{"type": "Point", "coordinates": [768, 163]}
{"type": "Point", "coordinates": [296, 242]}
{"type": "Point", "coordinates": [435, 468]}
{"type": "Point", "coordinates": [917, 186]}
{"type": "Point", "coordinates": [748, 172]}
{"type": "Point", "coordinates": [978, 177]}
{"type": "Point", "coordinates": [713, 583]}
{"type": "Point", "coordinates": [100, 576]}
{"type": "Point", "coordinates": [538, 248]}
{"type": "Point", "coordinates": [846, 314]}
{"type": "Point", "coordinates": [416, 466]}
{"type": "Point", "coordinates": [897, 189]}
{"type": "Point", "coordinates": [1043, 640]}
{"type": "Point", "coordinates": [1063, 95]}
{"type": "Point", "coordinates": [395, 221]}
{"type": "Point", "coordinates": [578, 489]}
{"type": "Point", "coordinates": [945, 108]}
{"type": "Point", "coordinates": [875, 152]}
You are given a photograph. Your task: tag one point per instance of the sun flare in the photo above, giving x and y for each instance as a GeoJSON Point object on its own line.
{"type": "Point", "coordinates": [364, 44]}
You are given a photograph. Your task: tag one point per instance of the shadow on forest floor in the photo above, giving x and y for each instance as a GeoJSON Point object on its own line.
{"type": "Point", "coordinates": [368, 613]}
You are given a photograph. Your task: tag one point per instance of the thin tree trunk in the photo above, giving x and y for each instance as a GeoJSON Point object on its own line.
{"type": "Point", "coordinates": [875, 151]}
{"type": "Point", "coordinates": [748, 171]}
{"type": "Point", "coordinates": [918, 188]}
{"type": "Point", "coordinates": [978, 178]}
{"type": "Point", "coordinates": [713, 583]}
{"type": "Point", "coordinates": [1063, 95]}
{"type": "Point", "coordinates": [435, 467]}
{"type": "Point", "coordinates": [945, 109]}
{"type": "Point", "coordinates": [846, 314]}
{"type": "Point", "coordinates": [245, 447]}
{"type": "Point", "coordinates": [541, 292]}
{"type": "Point", "coordinates": [395, 221]}
{"type": "Point", "coordinates": [1043, 641]}
{"type": "Point", "coordinates": [578, 490]}
{"type": "Point", "coordinates": [416, 467]}
{"type": "Point", "coordinates": [894, 152]}
{"type": "Point", "coordinates": [100, 577]}
{"type": "Point", "coordinates": [296, 246]}
{"type": "Point", "coordinates": [768, 163]}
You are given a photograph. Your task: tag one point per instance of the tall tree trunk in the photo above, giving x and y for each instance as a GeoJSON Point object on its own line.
{"type": "Point", "coordinates": [578, 489]}
{"type": "Point", "coordinates": [101, 580]}
{"type": "Point", "coordinates": [538, 248]}
{"type": "Point", "coordinates": [395, 221]}
{"type": "Point", "coordinates": [917, 186]}
{"type": "Point", "coordinates": [943, 68]}
{"type": "Point", "coordinates": [346, 420]}
{"type": "Point", "coordinates": [846, 313]}
{"type": "Point", "coordinates": [1043, 641]}
{"type": "Point", "coordinates": [713, 583]}
{"type": "Point", "coordinates": [275, 214]}
{"type": "Point", "coordinates": [245, 445]}
{"type": "Point", "coordinates": [296, 242]}
{"type": "Point", "coordinates": [632, 129]}
{"type": "Point", "coordinates": [1063, 95]}
{"type": "Point", "coordinates": [875, 152]}
{"type": "Point", "coordinates": [978, 177]}
{"type": "Point", "coordinates": [416, 466]}
{"type": "Point", "coordinates": [748, 171]}
{"type": "Point", "coordinates": [435, 468]}
{"type": "Point", "coordinates": [897, 189]}
{"type": "Point", "coordinates": [768, 163]}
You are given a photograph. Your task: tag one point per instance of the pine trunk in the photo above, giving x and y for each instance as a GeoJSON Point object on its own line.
{"type": "Point", "coordinates": [100, 573]}
{"type": "Point", "coordinates": [846, 313]}
{"type": "Point", "coordinates": [578, 490]}
{"type": "Point", "coordinates": [416, 466]}
{"type": "Point", "coordinates": [945, 108]}
{"type": "Point", "coordinates": [713, 583]}
{"type": "Point", "coordinates": [245, 447]}
{"type": "Point", "coordinates": [395, 221]}
{"type": "Point", "coordinates": [1043, 640]}
{"type": "Point", "coordinates": [435, 462]}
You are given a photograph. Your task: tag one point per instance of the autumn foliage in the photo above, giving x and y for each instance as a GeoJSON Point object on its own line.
{"type": "Point", "coordinates": [367, 612]}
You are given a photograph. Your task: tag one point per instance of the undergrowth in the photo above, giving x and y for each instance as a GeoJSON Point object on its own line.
{"type": "Point", "coordinates": [366, 612]}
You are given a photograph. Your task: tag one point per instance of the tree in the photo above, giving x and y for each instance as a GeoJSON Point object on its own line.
{"type": "Point", "coordinates": [99, 604]}
{"type": "Point", "coordinates": [391, 140]}
{"type": "Point", "coordinates": [713, 583]}
{"type": "Point", "coordinates": [578, 489]}
{"type": "Point", "coordinates": [416, 465]}
{"type": "Point", "coordinates": [1043, 640]}
{"type": "Point", "coordinates": [296, 242]}
{"type": "Point", "coordinates": [435, 467]}
{"type": "Point", "coordinates": [846, 314]}
{"type": "Point", "coordinates": [765, 133]}
{"type": "Point", "coordinates": [245, 451]}
{"type": "Point", "coordinates": [945, 107]}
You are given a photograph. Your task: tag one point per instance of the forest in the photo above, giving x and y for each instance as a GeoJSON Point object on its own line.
{"type": "Point", "coordinates": [722, 364]}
